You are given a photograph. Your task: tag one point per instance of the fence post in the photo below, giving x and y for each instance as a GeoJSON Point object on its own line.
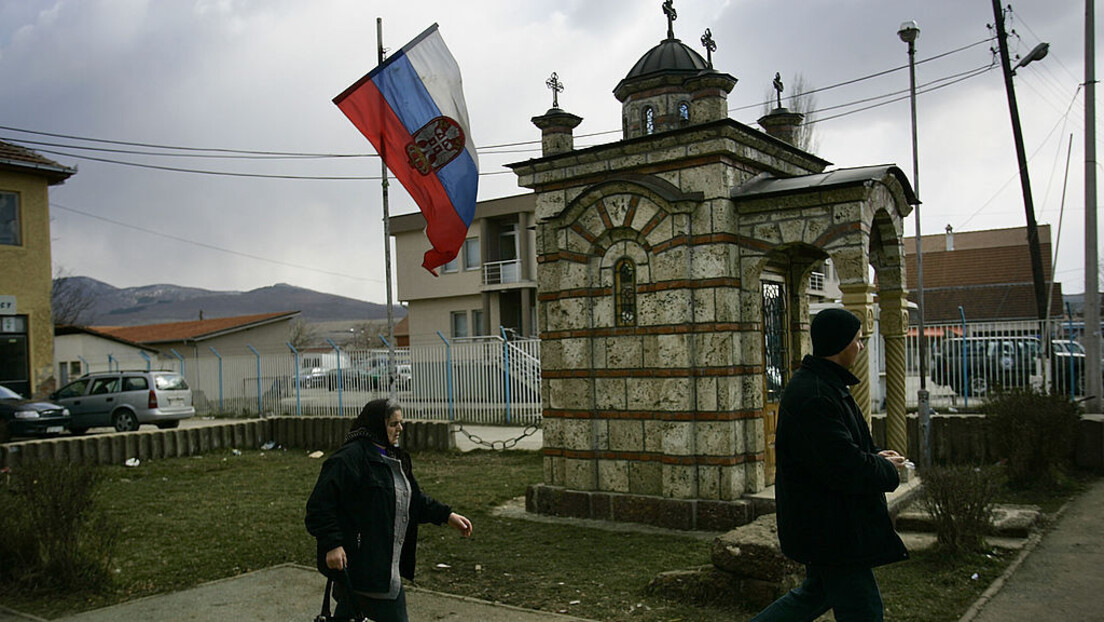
{"type": "Point", "coordinates": [110, 360]}
{"type": "Point", "coordinates": [506, 370]}
{"type": "Point", "coordinates": [448, 372]}
{"type": "Point", "coordinates": [181, 359]}
{"type": "Point", "coordinates": [220, 375]}
{"type": "Point", "coordinates": [1085, 365]}
{"type": "Point", "coordinates": [143, 354]}
{"type": "Point", "coordinates": [260, 408]}
{"type": "Point", "coordinates": [340, 405]}
{"type": "Point", "coordinates": [965, 374]}
{"type": "Point", "coordinates": [298, 398]}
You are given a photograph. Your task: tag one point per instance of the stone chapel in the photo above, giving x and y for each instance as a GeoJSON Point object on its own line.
{"type": "Point", "coordinates": [672, 273]}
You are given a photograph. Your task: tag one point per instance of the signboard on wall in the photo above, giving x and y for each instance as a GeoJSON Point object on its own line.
{"type": "Point", "coordinates": [7, 305]}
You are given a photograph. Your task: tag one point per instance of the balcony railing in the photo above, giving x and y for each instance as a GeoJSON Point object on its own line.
{"type": "Point", "coordinates": [498, 272]}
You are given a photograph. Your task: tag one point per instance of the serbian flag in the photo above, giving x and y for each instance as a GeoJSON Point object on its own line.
{"type": "Point", "coordinates": [411, 107]}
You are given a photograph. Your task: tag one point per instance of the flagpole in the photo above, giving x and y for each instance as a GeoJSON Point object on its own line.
{"type": "Point", "coordinates": [386, 241]}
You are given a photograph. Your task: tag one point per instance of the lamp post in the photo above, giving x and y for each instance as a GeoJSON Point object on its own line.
{"type": "Point", "coordinates": [909, 32]}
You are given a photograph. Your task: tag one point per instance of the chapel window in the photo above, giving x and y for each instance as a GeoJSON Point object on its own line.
{"type": "Point", "coordinates": [684, 113]}
{"type": "Point", "coordinates": [624, 292]}
{"type": "Point", "coordinates": [649, 120]}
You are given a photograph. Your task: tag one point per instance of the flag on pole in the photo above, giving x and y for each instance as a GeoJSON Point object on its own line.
{"type": "Point", "coordinates": [411, 107]}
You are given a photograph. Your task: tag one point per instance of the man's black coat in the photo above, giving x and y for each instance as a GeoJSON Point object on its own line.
{"type": "Point", "coordinates": [830, 483]}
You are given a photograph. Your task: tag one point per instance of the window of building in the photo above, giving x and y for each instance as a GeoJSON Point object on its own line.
{"type": "Point", "coordinates": [684, 113]}
{"type": "Point", "coordinates": [649, 120]}
{"type": "Point", "coordinates": [459, 322]}
{"type": "Point", "coordinates": [624, 292]}
{"type": "Point", "coordinates": [452, 266]}
{"type": "Point", "coordinates": [477, 321]}
{"type": "Point", "coordinates": [471, 254]}
{"type": "Point", "coordinates": [10, 229]}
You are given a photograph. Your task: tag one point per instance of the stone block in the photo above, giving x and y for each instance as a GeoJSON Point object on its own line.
{"type": "Point", "coordinates": [645, 478]}
{"type": "Point", "coordinates": [610, 393]}
{"type": "Point", "coordinates": [680, 481]}
{"type": "Point", "coordinates": [613, 475]}
{"type": "Point", "coordinates": [1090, 442]}
{"type": "Point", "coordinates": [717, 349]}
{"type": "Point", "coordinates": [645, 210]}
{"type": "Point", "coordinates": [658, 394]}
{"type": "Point", "coordinates": [678, 438]}
{"type": "Point", "coordinates": [653, 436]}
{"type": "Point", "coordinates": [553, 432]}
{"type": "Point", "coordinates": [709, 482]}
{"type": "Point", "coordinates": [626, 435]}
{"type": "Point", "coordinates": [578, 434]}
{"type": "Point", "coordinates": [716, 438]}
{"type": "Point", "coordinates": [730, 393]}
{"type": "Point", "coordinates": [624, 352]}
{"type": "Point", "coordinates": [579, 474]}
{"type": "Point", "coordinates": [706, 394]}
{"type": "Point", "coordinates": [569, 393]}
{"type": "Point", "coordinates": [705, 308]}
{"type": "Point", "coordinates": [666, 351]}
{"type": "Point", "coordinates": [723, 515]}
{"type": "Point", "coordinates": [703, 584]}
{"type": "Point", "coordinates": [617, 208]}
{"type": "Point", "coordinates": [752, 551]}
{"type": "Point", "coordinates": [651, 510]}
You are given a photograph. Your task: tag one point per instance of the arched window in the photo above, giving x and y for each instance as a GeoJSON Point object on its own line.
{"type": "Point", "coordinates": [684, 113]}
{"type": "Point", "coordinates": [649, 120]}
{"type": "Point", "coordinates": [624, 292]}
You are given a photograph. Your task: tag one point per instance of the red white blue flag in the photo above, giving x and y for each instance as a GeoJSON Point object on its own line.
{"type": "Point", "coordinates": [411, 107]}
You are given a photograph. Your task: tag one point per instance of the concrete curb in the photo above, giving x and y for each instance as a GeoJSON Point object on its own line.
{"type": "Point", "coordinates": [998, 584]}
{"type": "Point", "coordinates": [295, 432]}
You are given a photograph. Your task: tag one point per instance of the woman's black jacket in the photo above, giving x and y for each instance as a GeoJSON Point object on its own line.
{"type": "Point", "coordinates": [353, 505]}
{"type": "Point", "coordinates": [830, 484]}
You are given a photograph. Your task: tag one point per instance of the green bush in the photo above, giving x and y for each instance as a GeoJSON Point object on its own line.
{"type": "Point", "coordinates": [960, 500]}
{"type": "Point", "coordinates": [1034, 434]}
{"type": "Point", "coordinates": [52, 535]}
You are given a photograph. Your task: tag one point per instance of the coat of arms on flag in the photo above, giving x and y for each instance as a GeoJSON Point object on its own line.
{"type": "Point", "coordinates": [411, 108]}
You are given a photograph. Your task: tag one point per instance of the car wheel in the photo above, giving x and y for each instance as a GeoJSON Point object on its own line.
{"type": "Point", "coordinates": [169, 425]}
{"type": "Point", "coordinates": [125, 421]}
{"type": "Point", "coordinates": [77, 431]}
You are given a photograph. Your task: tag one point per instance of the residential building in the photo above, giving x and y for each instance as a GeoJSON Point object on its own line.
{"type": "Point", "coordinates": [986, 273]}
{"type": "Point", "coordinates": [26, 273]}
{"type": "Point", "coordinates": [240, 335]}
{"type": "Point", "coordinates": [79, 350]}
{"type": "Point", "coordinates": [490, 286]}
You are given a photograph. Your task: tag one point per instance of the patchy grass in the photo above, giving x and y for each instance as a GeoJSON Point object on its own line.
{"type": "Point", "coordinates": [185, 521]}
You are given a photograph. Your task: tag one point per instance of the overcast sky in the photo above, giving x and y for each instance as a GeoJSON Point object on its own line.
{"type": "Point", "coordinates": [260, 75]}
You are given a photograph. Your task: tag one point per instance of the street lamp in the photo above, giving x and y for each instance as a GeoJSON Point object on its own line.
{"type": "Point", "coordinates": [909, 32]}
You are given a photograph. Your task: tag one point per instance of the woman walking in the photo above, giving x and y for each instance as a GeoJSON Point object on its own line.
{"type": "Point", "coordinates": [364, 513]}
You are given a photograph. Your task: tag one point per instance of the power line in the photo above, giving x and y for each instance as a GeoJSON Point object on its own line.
{"type": "Point", "coordinates": [209, 246]}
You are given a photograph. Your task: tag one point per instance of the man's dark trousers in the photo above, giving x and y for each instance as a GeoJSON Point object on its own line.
{"type": "Point", "coordinates": [851, 593]}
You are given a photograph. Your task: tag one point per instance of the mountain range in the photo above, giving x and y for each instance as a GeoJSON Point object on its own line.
{"type": "Point", "coordinates": [155, 304]}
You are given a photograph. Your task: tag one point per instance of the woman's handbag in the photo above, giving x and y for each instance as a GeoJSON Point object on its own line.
{"type": "Point", "coordinates": [326, 616]}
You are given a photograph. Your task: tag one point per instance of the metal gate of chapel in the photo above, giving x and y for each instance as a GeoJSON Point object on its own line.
{"type": "Point", "coordinates": [775, 371]}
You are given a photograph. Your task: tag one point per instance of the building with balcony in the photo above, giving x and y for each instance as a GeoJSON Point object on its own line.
{"type": "Point", "coordinates": [491, 285]}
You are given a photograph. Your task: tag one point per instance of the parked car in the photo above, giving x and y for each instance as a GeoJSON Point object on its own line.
{"type": "Point", "coordinates": [24, 417]}
{"type": "Point", "coordinates": [976, 365]}
{"type": "Point", "coordinates": [126, 400]}
{"type": "Point", "coordinates": [351, 379]}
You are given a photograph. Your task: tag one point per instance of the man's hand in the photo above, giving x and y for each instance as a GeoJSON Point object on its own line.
{"type": "Point", "coordinates": [335, 558]}
{"type": "Point", "coordinates": [895, 458]}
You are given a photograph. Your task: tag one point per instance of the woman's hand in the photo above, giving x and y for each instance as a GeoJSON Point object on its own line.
{"type": "Point", "coordinates": [461, 523]}
{"type": "Point", "coordinates": [335, 558]}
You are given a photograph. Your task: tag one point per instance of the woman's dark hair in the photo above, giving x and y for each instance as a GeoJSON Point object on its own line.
{"type": "Point", "coordinates": [373, 420]}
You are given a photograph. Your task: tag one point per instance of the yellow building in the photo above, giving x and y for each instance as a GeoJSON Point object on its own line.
{"type": "Point", "coordinates": [26, 326]}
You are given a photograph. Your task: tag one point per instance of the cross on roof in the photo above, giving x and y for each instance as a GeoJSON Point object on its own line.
{"type": "Point", "coordinates": [557, 87]}
{"type": "Point", "coordinates": [778, 87]}
{"type": "Point", "coordinates": [672, 15]}
{"type": "Point", "coordinates": [710, 46]}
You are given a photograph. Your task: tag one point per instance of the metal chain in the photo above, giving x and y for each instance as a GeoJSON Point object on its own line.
{"type": "Point", "coordinates": [509, 443]}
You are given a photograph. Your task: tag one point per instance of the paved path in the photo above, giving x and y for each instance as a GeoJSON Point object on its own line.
{"type": "Point", "coordinates": [1060, 574]}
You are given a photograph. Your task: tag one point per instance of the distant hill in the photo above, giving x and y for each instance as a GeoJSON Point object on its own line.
{"type": "Point", "coordinates": [154, 304]}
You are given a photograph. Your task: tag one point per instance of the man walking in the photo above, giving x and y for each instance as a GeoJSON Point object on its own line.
{"type": "Point", "coordinates": [830, 485]}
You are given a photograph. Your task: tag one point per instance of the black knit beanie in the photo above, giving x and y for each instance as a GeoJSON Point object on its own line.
{"type": "Point", "coordinates": [832, 331]}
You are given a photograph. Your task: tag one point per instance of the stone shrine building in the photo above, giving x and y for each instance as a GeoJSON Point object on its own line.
{"type": "Point", "coordinates": [673, 267]}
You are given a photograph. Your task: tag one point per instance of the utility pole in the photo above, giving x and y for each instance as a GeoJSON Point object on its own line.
{"type": "Point", "coordinates": [1021, 158]}
{"type": "Point", "coordinates": [381, 54]}
{"type": "Point", "coordinates": [1091, 339]}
